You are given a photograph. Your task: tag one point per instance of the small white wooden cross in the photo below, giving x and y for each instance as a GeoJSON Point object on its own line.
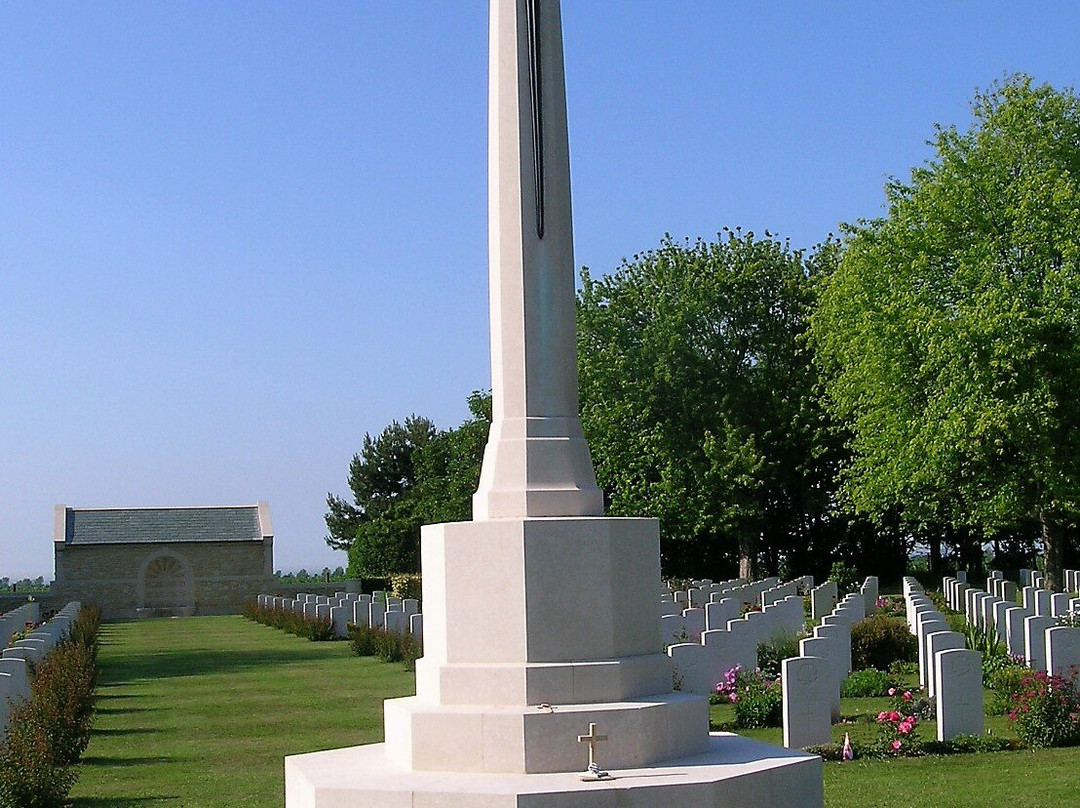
{"type": "Point", "coordinates": [592, 739]}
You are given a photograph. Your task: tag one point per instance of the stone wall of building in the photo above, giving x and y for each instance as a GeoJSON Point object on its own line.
{"type": "Point", "coordinates": [126, 579]}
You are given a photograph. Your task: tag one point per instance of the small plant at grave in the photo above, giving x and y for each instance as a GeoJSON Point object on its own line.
{"type": "Point", "coordinates": [867, 683]}
{"type": "Point", "coordinates": [1005, 684]}
{"type": "Point", "coordinates": [994, 655]}
{"type": "Point", "coordinates": [879, 641]}
{"type": "Point", "coordinates": [771, 654]}
{"type": "Point", "coordinates": [1070, 619]}
{"type": "Point", "coordinates": [681, 635]}
{"type": "Point", "coordinates": [937, 597]}
{"type": "Point", "coordinates": [748, 607]}
{"type": "Point", "coordinates": [890, 606]}
{"type": "Point", "coordinates": [1046, 711]}
{"type": "Point", "coordinates": [846, 577]}
{"type": "Point", "coordinates": [758, 698]}
{"type": "Point", "coordinates": [902, 668]}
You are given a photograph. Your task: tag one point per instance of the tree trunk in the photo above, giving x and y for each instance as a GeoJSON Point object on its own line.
{"type": "Point", "coordinates": [935, 554]}
{"type": "Point", "coordinates": [1053, 536]}
{"type": "Point", "coordinates": [747, 556]}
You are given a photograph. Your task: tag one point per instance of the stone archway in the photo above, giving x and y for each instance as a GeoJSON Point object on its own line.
{"type": "Point", "coordinates": [165, 586]}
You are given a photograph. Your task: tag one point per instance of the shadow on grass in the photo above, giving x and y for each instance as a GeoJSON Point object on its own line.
{"type": "Point", "coordinates": [119, 802]}
{"type": "Point", "coordinates": [120, 762]}
{"type": "Point", "coordinates": [197, 662]}
{"type": "Point", "coordinates": [117, 732]}
{"type": "Point", "coordinates": [125, 710]}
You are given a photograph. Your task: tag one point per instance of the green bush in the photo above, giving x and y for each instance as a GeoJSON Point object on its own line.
{"type": "Point", "coordinates": [84, 629]}
{"type": "Point", "coordinates": [386, 645]}
{"type": "Point", "coordinates": [62, 690]}
{"type": "Point", "coordinates": [879, 641]}
{"type": "Point", "coordinates": [1005, 684]}
{"type": "Point", "coordinates": [846, 577]}
{"type": "Point", "coordinates": [46, 735]}
{"type": "Point", "coordinates": [363, 640]}
{"type": "Point", "coordinates": [30, 776]}
{"type": "Point", "coordinates": [770, 654]}
{"type": "Point", "coordinates": [868, 682]}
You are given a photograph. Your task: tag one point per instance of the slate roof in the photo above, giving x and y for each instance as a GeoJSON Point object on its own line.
{"type": "Point", "coordinates": [137, 525]}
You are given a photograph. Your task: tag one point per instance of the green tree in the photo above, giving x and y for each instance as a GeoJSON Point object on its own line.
{"type": "Point", "coordinates": [379, 529]}
{"type": "Point", "coordinates": [409, 475]}
{"type": "Point", "coordinates": [948, 337]}
{"type": "Point", "coordinates": [697, 401]}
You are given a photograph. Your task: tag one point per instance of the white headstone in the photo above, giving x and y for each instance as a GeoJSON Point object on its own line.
{"type": "Point", "coordinates": [958, 674]}
{"type": "Point", "coordinates": [807, 683]}
{"type": "Point", "coordinates": [935, 642]}
{"type": "Point", "coordinates": [1035, 641]}
{"type": "Point", "coordinates": [1063, 652]}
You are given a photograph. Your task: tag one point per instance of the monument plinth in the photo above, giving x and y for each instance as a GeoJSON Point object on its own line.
{"type": "Point", "coordinates": [569, 641]}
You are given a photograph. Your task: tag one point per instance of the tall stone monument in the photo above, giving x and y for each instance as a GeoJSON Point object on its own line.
{"type": "Point", "coordinates": [570, 640]}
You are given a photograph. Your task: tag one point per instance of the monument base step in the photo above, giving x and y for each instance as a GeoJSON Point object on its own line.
{"type": "Point", "coordinates": [734, 771]}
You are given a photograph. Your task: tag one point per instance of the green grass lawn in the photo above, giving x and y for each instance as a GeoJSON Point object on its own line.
{"type": "Point", "coordinates": [199, 712]}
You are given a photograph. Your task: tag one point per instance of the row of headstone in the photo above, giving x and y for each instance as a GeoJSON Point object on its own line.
{"type": "Point", "coordinates": [869, 591]}
{"type": "Point", "coordinates": [18, 620]}
{"type": "Point", "coordinates": [698, 665]}
{"type": "Point", "coordinates": [1072, 581]}
{"type": "Point", "coordinates": [709, 606]}
{"type": "Point", "coordinates": [1021, 626]}
{"type": "Point", "coordinates": [823, 600]}
{"type": "Point", "coordinates": [17, 658]}
{"type": "Point", "coordinates": [950, 672]}
{"type": "Point", "coordinates": [811, 682]}
{"type": "Point", "coordinates": [377, 610]}
{"type": "Point", "coordinates": [1031, 578]}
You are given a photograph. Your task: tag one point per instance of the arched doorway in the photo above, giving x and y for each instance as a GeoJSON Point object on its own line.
{"type": "Point", "coordinates": [165, 586]}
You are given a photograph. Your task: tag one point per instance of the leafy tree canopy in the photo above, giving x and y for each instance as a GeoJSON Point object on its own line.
{"type": "Point", "coordinates": [948, 337]}
{"type": "Point", "coordinates": [409, 475]}
{"type": "Point", "coordinates": [697, 399]}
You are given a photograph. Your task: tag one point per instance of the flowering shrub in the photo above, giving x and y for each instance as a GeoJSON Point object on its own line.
{"type": "Point", "coordinates": [758, 698]}
{"type": "Point", "coordinates": [897, 726]}
{"type": "Point", "coordinates": [1045, 710]}
{"type": "Point", "coordinates": [405, 585]}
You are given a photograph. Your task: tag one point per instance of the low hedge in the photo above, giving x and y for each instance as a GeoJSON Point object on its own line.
{"type": "Point", "coordinates": [46, 735]}
{"type": "Point", "coordinates": [389, 646]}
{"type": "Point", "coordinates": [316, 629]}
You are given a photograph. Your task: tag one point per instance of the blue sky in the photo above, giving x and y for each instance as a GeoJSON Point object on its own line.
{"type": "Point", "coordinates": [234, 237]}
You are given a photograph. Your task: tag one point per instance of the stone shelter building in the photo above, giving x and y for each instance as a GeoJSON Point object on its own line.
{"type": "Point", "coordinates": [163, 562]}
